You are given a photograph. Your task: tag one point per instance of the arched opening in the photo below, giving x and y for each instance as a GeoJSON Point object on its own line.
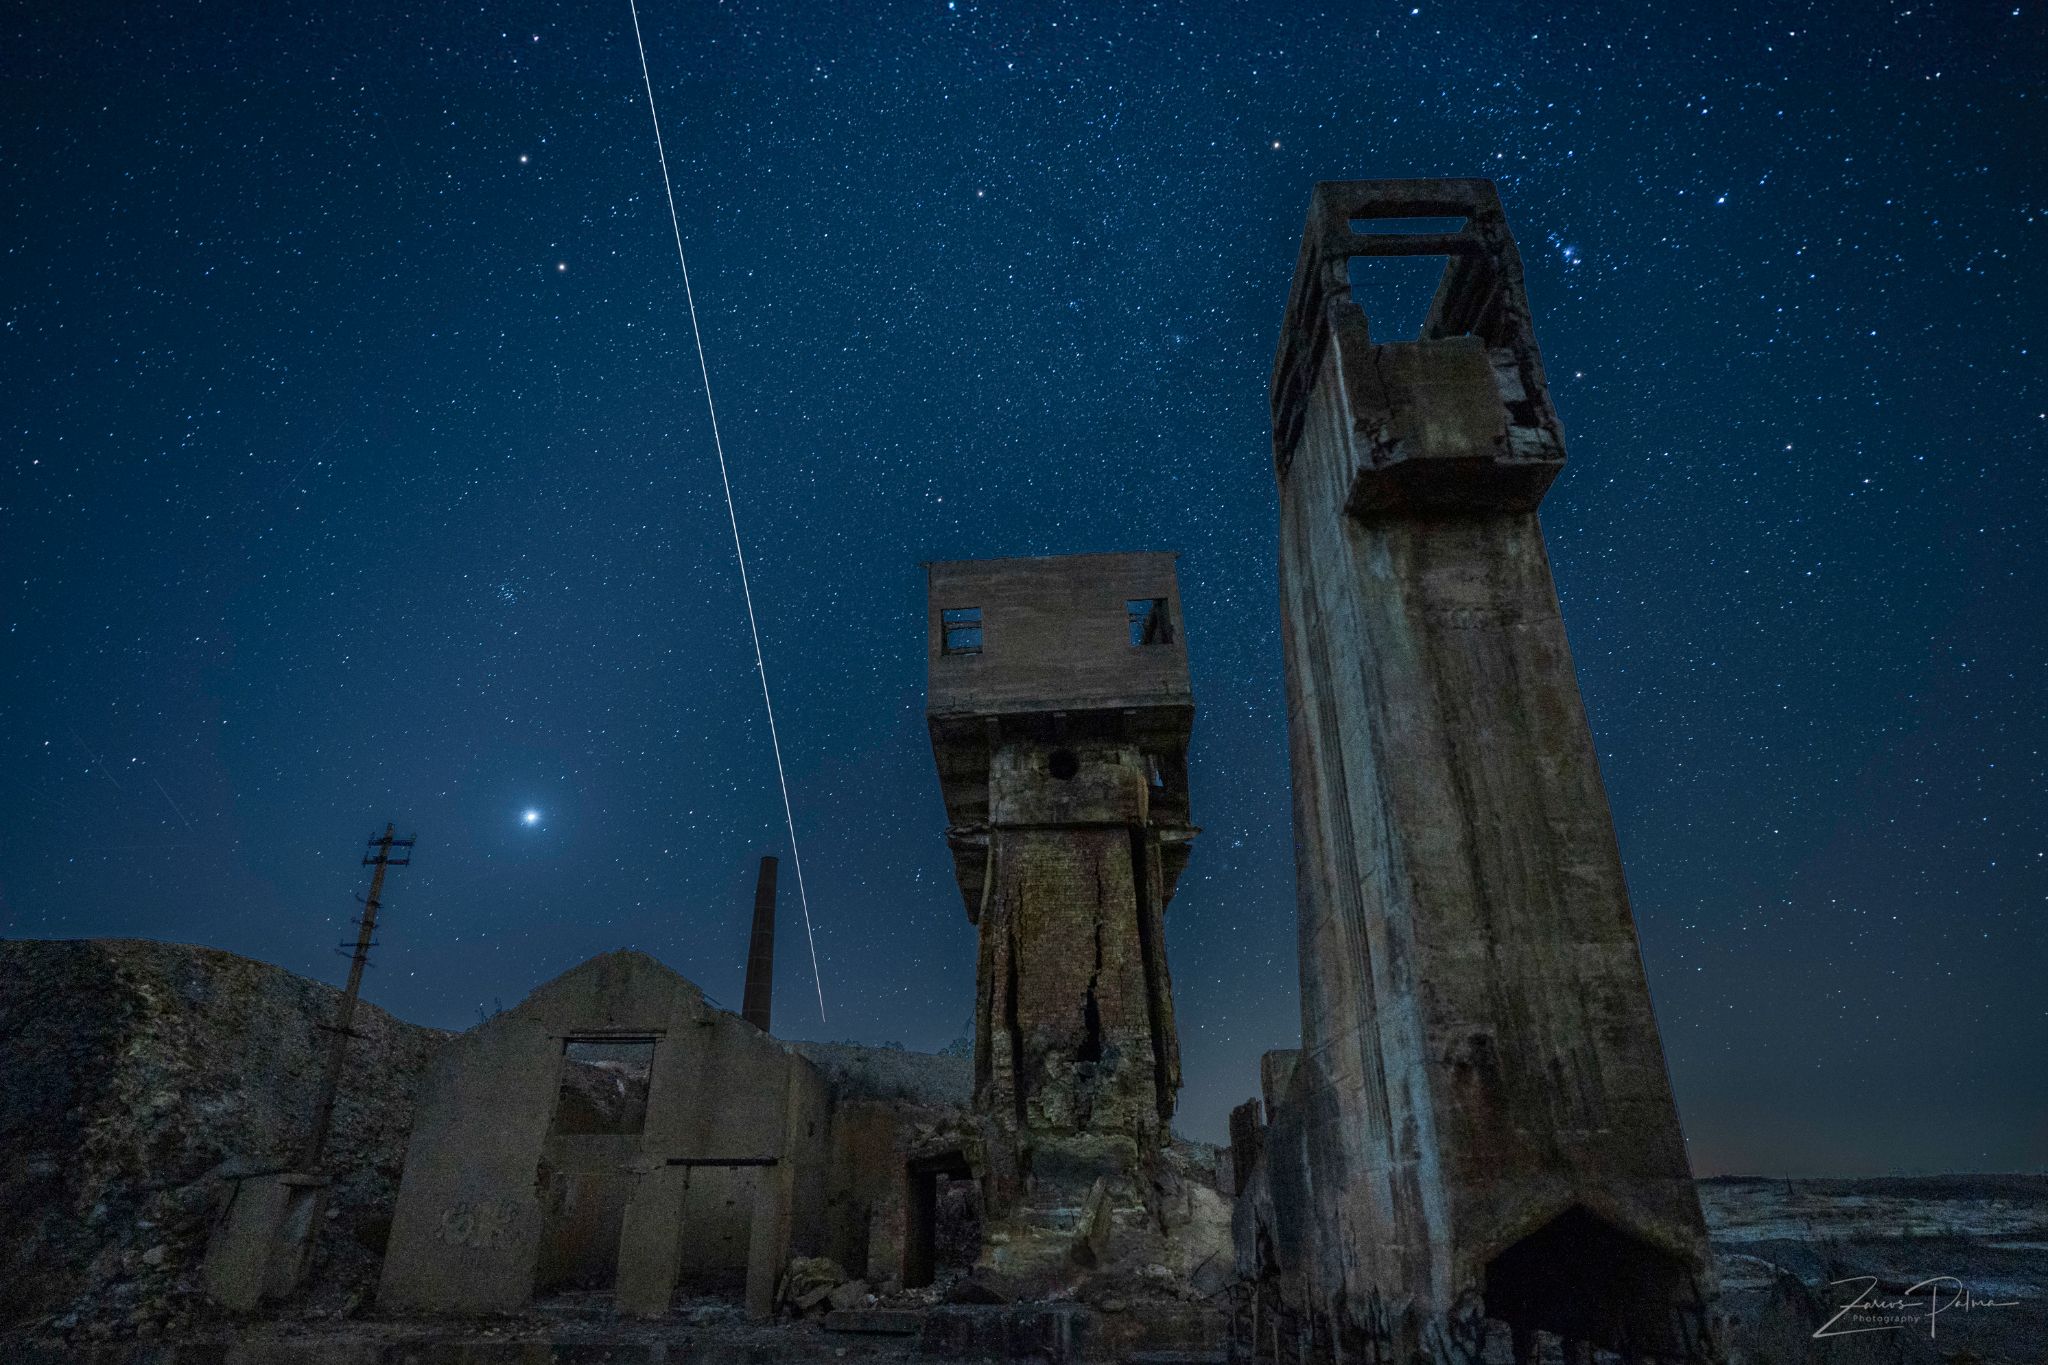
{"type": "Point", "coordinates": [1584, 1279]}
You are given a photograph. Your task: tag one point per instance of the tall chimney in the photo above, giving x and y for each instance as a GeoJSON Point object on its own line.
{"type": "Point", "coordinates": [761, 951]}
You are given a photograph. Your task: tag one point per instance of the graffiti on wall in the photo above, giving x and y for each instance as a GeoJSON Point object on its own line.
{"type": "Point", "coordinates": [480, 1223]}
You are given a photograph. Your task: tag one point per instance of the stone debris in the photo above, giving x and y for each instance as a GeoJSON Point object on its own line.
{"type": "Point", "coordinates": [810, 1282]}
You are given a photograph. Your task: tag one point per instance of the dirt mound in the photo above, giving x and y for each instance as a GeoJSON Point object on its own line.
{"type": "Point", "coordinates": [133, 1077]}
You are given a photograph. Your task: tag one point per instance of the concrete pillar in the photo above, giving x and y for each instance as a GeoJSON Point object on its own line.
{"type": "Point", "coordinates": [768, 1241]}
{"type": "Point", "coordinates": [1479, 1060]}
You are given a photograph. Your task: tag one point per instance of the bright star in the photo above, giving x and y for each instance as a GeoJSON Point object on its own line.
{"type": "Point", "coordinates": [531, 817]}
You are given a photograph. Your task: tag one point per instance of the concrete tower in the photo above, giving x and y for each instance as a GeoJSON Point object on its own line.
{"type": "Point", "coordinates": [1059, 712]}
{"type": "Point", "coordinates": [1478, 1125]}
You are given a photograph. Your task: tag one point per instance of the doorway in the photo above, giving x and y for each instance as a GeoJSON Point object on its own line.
{"type": "Point", "coordinates": [585, 1178]}
{"type": "Point", "coordinates": [942, 1219]}
{"type": "Point", "coordinates": [1586, 1280]}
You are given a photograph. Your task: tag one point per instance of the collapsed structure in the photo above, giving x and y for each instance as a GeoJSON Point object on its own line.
{"type": "Point", "coordinates": [1478, 1127]}
{"type": "Point", "coordinates": [614, 1132]}
{"type": "Point", "coordinates": [1060, 710]}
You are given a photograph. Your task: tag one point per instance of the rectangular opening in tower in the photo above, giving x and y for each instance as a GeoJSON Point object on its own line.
{"type": "Point", "coordinates": [1395, 293]}
{"type": "Point", "coordinates": [1150, 623]}
{"type": "Point", "coordinates": [1423, 279]}
{"type": "Point", "coordinates": [962, 630]}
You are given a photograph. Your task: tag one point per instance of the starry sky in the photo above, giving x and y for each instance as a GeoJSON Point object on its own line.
{"type": "Point", "coordinates": [356, 468]}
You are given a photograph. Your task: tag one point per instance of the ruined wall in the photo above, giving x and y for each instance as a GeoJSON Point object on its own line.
{"type": "Point", "coordinates": [1479, 1059]}
{"type": "Point", "coordinates": [492, 1197]}
{"type": "Point", "coordinates": [890, 1107]}
{"type": "Point", "coordinates": [1078, 1026]}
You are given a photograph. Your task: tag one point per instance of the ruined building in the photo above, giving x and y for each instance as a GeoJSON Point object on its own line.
{"type": "Point", "coordinates": [615, 1132]}
{"type": "Point", "coordinates": [1059, 711]}
{"type": "Point", "coordinates": [618, 1134]}
{"type": "Point", "coordinates": [1477, 1135]}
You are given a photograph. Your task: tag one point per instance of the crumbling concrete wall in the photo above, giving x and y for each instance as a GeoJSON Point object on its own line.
{"type": "Point", "coordinates": [489, 1174]}
{"type": "Point", "coordinates": [1079, 1016]}
{"type": "Point", "coordinates": [1480, 1086]}
{"type": "Point", "coordinates": [891, 1109]}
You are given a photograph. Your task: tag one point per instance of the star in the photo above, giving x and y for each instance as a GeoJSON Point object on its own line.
{"type": "Point", "coordinates": [530, 817]}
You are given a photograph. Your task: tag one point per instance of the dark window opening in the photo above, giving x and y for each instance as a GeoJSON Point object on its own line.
{"type": "Point", "coordinates": [1396, 293]}
{"type": "Point", "coordinates": [1062, 763]}
{"type": "Point", "coordinates": [1429, 279]}
{"type": "Point", "coordinates": [1149, 621]}
{"type": "Point", "coordinates": [1154, 773]}
{"type": "Point", "coordinates": [961, 627]}
{"type": "Point", "coordinates": [604, 1087]}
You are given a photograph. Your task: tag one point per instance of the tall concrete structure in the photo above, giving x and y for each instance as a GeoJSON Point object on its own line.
{"type": "Point", "coordinates": [1059, 711]}
{"type": "Point", "coordinates": [1478, 1132]}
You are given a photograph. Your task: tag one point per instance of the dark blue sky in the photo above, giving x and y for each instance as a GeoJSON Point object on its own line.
{"type": "Point", "coordinates": [356, 469]}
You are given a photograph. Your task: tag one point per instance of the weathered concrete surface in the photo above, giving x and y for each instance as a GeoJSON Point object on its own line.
{"type": "Point", "coordinates": [135, 1078]}
{"type": "Point", "coordinates": [1055, 661]}
{"type": "Point", "coordinates": [891, 1108]}
{"type": "Point", "coordinates": [262, 1241]}
{"type": "Point", "coordinates": [723, 1175]}
{"type": "Point", "coordinates": [1055, 636]}
{"type": "Point", "coordinates": [1060, 727]}
{"type": "Point", "coordinates": [1479, 1124]}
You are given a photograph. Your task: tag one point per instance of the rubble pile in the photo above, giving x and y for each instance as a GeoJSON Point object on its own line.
{"type": "Point", "coordinates": [135, 1077]}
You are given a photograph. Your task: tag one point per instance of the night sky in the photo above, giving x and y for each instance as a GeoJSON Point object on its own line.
{"type": "Point", "coordinates": [356, 468]}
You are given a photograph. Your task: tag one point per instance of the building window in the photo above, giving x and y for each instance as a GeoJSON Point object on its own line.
{"type": "Point", "coordinates": [1150, 624]}
{"type": "Point", "coordinates": [604, 1086]}
{"type": "Point", "coordinates": [962, 628]}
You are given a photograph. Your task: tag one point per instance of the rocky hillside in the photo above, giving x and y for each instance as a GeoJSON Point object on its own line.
{"type": "Point", "coordinates": [857, 1071]}
{"type": "Point", "coordinates": [133, 1076]}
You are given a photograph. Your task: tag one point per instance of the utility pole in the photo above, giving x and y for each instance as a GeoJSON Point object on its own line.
{"type": "Point", "coordinates": [343, 1028]}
